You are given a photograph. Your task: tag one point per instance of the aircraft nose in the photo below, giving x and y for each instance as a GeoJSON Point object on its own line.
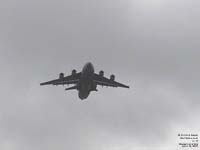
{"type": "Point", "coordinates": [90, 66]}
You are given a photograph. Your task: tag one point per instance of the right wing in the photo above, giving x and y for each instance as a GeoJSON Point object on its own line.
{"type": "Point", "coordinates": [100, 80]}
{"type": "Point", "coordinates": [71, 79]}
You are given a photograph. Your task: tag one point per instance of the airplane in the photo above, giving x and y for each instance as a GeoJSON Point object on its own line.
{"type": "Point", "coordinates": [85, 81]}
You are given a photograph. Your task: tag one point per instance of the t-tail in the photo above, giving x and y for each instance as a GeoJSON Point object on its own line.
{"type": "Point", "coordinates": [72, 88]}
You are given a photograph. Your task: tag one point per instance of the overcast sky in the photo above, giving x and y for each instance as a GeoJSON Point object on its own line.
{"type": "Point", "coordinates": [150, 45]}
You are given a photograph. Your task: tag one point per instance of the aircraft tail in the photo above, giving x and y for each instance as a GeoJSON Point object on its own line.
{"type": "Point", "coordinates": [72, 88]}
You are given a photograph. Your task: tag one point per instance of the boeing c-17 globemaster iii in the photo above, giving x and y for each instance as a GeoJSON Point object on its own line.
{"type": "Point", "coordinates": [85, 81]}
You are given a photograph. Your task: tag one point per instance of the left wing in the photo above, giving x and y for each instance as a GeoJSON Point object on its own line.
{"type": "Point", "coordinates": [71, 79]}
{"type": "Point", "coordinates": [100, 80]}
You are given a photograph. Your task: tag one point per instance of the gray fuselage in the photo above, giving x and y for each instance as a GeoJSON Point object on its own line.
{"type": "Point", "coordinates": [86, 84]}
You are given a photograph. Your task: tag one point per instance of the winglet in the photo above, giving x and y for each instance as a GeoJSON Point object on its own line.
{"type": "Point", "coordinates": [45, 83]}
{"type": "Point", "coordinates": [42, 84]}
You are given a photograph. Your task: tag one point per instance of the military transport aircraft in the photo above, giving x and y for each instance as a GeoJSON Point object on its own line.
{"type": "Point", "coordinates": [85, 81]}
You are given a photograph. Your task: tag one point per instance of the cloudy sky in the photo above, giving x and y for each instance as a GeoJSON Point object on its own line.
{"type": "Point", "coordinates": [153, 46]}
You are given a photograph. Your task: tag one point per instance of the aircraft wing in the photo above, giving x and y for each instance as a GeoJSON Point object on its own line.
{"type": "Point", "coordinates": [71, 79]}
{"type": "Point", "coordinates": [99, 80]}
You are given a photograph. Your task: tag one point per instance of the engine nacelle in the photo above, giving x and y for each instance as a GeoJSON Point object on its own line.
{"type": "Point", "coordinates": [61, 75]}
{"type": "Point", "coordinates": [101, 73]}
{"type": "Point", "coordinates": [73, 72]}
{"type": "Point", "coordinates": [112, 77]}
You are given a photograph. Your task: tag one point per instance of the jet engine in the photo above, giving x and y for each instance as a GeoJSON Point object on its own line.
{"type": "Point", "coordinates": [101, 73]}
{"type": "Point", "coordinates": [112, 77]}
{"type": "Point", "coordinates": [73, 72]}
{"type": "Point", "coordinates": [61, 75]}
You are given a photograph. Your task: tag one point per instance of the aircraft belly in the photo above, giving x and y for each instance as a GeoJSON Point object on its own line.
{"type": "Point", "coordinates": [83, 94]}
{"type": "Point", "coordinates": [84, 88]}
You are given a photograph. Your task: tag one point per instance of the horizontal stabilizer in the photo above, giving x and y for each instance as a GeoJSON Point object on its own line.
{"type": "Point", "coordinates": [72, 88]}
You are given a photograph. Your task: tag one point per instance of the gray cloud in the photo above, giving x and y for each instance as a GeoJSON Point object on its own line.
{"type": "Point", "coordinates": [152, 47]}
